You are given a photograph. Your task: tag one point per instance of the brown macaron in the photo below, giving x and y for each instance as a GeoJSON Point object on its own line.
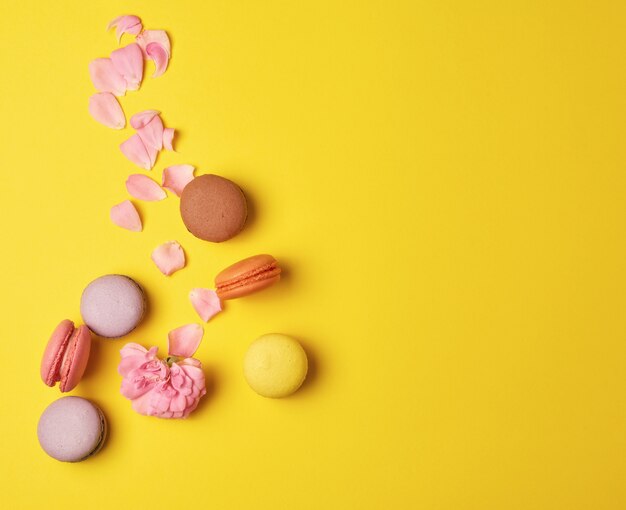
{"type": "Point", "coordinates": [247, 276]}
{"type": "Point", "coordinates": [213, 208]}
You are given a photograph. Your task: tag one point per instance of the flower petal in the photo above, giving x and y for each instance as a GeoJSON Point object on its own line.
{"type": "Point", "coordinates": [133, 349]}
{"type": "Point", "coordinates": [185, 340]}
{"type": "Point", "coordinates": [143, 188]}
{"type": "Point", "coordinates": [136, 151]}
{"type": "Point", "coordinates": [126, 24]}
{"type": "Point", "coordinates": [176, 177]}
{"type": "Point", "coordinates": [105, 77]}
{"type": "Point", "coordinates": [152, 133]}
{"type": "Point", "coordinates": [126, 216]}
{"type": "Point", "coordinates": [106, 110]}
{"type": "Point", "coordinates": [140, 119]}
{"type": "Point", "coordinates": [152, 154]}
{"type": "Point", "coordinates": [195, 373]}
{"type": "Point", "coordinates": [149, 36]}
{"type": "Point", "coordinates": [128, 61]}
{"type": "Point", "coordinates": [159, 55]}
{"type": "Point", "coordinates": [205, 302]}
{"type": "Point", "coordinates": [168, 138]}
{"type": "Point", "coordinates": [190, 361]}
{"type": "Point", "coordinates": [169, 257]}
{"type": "Point", "coordinates": [142, 404]}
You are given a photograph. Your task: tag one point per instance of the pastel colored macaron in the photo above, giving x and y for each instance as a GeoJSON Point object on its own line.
{"type": "Point", "coordinates": [112, 305]}
{"type": "Point", "coordinates": [66, 356]}
{"type": "Point", "coordinates": [247, 276]}
{"type": "Point", "coordinates": [275, 365]}
{"type": "Point", "coordinates": [72, 429]}
{"type": "Point", "coordinates": [213, 208]}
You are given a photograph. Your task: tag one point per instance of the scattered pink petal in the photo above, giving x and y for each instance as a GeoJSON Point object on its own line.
{"type": "Point", "coordinates": [158, 36]}
{"type": "Point", "coordinates": [106, 78]}
{"type": "Point", "coordinates": [205, 302]}
{"type": "Point", "coordinates": [157, 53]}
{"type": "Point", "coordinates": [142, 187]}
{"type": "Point", "coordinates": [169, 257]}
{"type": "Point", "coordinates": [126, 216]}
{"type": "Point", "coordinates": [140, 119]}
{"type": "Point", "coordinates": [176, 177]}
{"type": "Point", "coordinates": [168, 138]}
{"type": "Point", "coordinates": [136, 151]}
{"type": "Point", "coordinates": [127, 24]}
{"type": "Point", "coordinates": [152, 154]}
{"type": "Point", "coordinates": [128, 61]}
{"type": "Point", "coordinates": [152, 133]}
{"type": "Point", "coordinates": [106, 110]}
{"type": "Point", "coordinates": [184, 341]}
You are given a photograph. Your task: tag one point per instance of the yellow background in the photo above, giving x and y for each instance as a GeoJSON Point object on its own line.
{"type": "Point", "coordinates": [445, 186]}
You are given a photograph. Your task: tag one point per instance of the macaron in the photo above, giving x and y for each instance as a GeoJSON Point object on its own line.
{"type": "Point", "coordinates": [66, 356]}
{"type": "Point", "coordinates": [275, 365]}
{"type": "Point", "coordinates": [213, 208]}
{"type": "Point", "coordinates": [247, 276]}
{"type": "Point", "coordinates": [112, 305]}
{"type": "Point", "coordinates": [72, 429]}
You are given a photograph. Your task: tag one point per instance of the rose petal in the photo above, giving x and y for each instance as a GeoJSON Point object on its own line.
{"type": "Point", "coordinates": [176, 177]}
{"type": "Point", "coordinates": [152, 154]}
{"type": "Point", "coordinates": [159, 55]}
{"type": "Point", "coordinates": [152, 133]}
{"type": "Point", "coordinates": [126, 216]}
{"type": "Point", "coordinates": [185, 340]}
{"type": "Point", "coordinates": [106, 110]}
{"type": "Point", "coordinates": [143, 188]}
{"type": "Point", "coordinates": [205, 302]}
{"type": "Point", "coordinates": [169, 257]}
{"type": "Point", "coordinates": [127, 24]}
{"type": "Point", "coordinates": [194, 371]}
{"type": "Point", "coordinates": [141, 405]}
{"type": "Point", "coordinates": [149, 36]}
{"type": "Point", "coordinates": [135, 150]}
{"type": "Point", "coordinates": [140, 119]}
{"type": "Point", "coordinates": [106, 78]}
{"type": "Point", "coordinates": [168, 138]}
{"type": "Point", "coordinates": [190, 361]}
{"type": "Point", "coordinates": [128, 61]}
{"type": "Point", "coordinates": [132, 349]}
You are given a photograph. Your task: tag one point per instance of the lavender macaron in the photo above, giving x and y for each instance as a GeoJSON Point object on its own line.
{"type": "Point", "coordinates": [72, 429]}
{"type": "Point", "coordinates": [112, 305]}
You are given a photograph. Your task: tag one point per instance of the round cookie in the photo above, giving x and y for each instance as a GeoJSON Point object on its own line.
{"type": "Point", "coordinates": [72, 429]}
{"type": "Point", "coordinates": [112, 305]}
{"type": "Point", "coordinates": [213, 208]}
{"type": "Point", "coordinates": [275, 365]}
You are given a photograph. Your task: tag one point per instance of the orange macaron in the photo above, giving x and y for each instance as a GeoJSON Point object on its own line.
{"type": "Point", "coordinates": [247, 276]}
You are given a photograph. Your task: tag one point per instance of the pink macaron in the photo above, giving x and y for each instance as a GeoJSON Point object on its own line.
{"type": "Point", "coordinates": [66, 355]}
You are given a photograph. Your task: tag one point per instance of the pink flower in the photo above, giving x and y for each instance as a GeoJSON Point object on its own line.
{"type": "Point", "coordinates": [168, 388]}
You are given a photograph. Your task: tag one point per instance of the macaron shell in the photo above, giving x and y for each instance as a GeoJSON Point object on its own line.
{"type": "Point", "coordinates": [244, 266]}
{"type": "Point", "coordinates": [275, 365]}
{"type": "Point", "coordinates": [71, 429]}
{"type": "Point", "coordinates": [213, 208]}
{"type": "Point", "coordinates": [76, 358]}
{"type": "Point", "coordinates": [53, 355]}
{"type": "Point", "coordinates": [112, 305]}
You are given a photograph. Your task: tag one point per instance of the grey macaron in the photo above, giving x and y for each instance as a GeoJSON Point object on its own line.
{"type": "Point", "coordinates": [112, 305]}
{"type": "Point", "coordinates": [72, 429]}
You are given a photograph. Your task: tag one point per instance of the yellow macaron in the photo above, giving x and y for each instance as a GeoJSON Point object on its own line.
{"type": "Point", "coordinates": [275, 365]}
